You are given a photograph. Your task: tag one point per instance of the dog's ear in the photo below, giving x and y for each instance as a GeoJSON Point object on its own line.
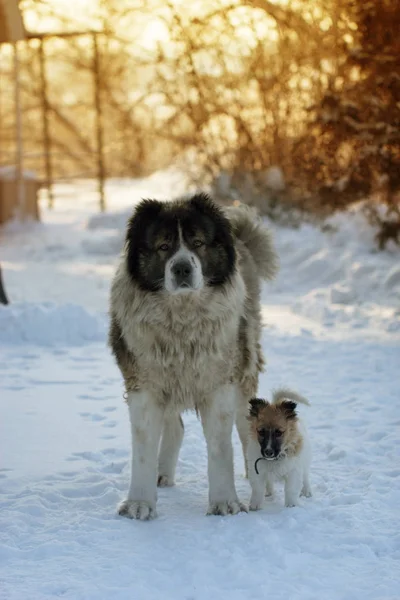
{"type": "Point", "coordinates": [289, 408]}
{"type": "Point", "coordinates": [255, 405]}
{"type": "Point", "coordinates": [203, 203]}
{"type": "Point", "coordinates": [207, 208]}
{"type": "Point", "coordinates": [145, 213]}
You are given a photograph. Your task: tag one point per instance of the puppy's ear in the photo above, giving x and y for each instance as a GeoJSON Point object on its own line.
{"type": "Point", "coordinates": [255, 405]}
{"type": "Point", "coordinates": [289, 408]}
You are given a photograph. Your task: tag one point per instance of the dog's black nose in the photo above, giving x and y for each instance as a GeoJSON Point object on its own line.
{"type": "Point", "coordinates": [268, 453]}
{"type": "Point", "coordinates": [182, 271]}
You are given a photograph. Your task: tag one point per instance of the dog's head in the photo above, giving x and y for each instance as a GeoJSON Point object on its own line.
{"type": "Point", "coordinates": [275, 428]}
{"type": "Point", "coordinates": [180, 246]}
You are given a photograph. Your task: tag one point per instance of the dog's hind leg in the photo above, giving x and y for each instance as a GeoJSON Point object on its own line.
{"type": "Point", "coordinates": [242, 426]}
{"type": "Point", "coordinates": [169, 450]}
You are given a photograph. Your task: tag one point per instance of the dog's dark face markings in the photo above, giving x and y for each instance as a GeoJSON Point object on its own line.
{"type": "Point", "coordinates": [272, 425]}
{"type": "Point", "coordinates": [179, 246]}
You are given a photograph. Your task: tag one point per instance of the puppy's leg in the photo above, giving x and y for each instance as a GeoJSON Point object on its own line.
{"type": "Point", "coordinates": [269, 487]}
{"type": "Point", "coordinates": [306, 489]}
{"type": "Point", "coordinates": [293, 483]}
{"type": "Point", "coordinates": [217, 417]}
{"type": "Point", "coordinates": [242, 426]}
{"type": "Point", "coordinates": [146, 418]}
{"type": "Point", "coordinates": [257, 483]}
{"type": "Point", "coordinates": [169, 451]}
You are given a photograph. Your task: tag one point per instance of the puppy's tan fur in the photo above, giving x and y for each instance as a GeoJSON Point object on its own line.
{"type": "Point", "coordinates": [275, 416]}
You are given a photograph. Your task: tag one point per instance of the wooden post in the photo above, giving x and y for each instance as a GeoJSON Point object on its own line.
{"type": "Point", "coordinates": [19, 175]}
{"type": "Point", "coordinates": [45, 124]}
{"type": "Point", "coordinates": [99, 122]}
{"type": "Point", "coordinates": [3, 297]}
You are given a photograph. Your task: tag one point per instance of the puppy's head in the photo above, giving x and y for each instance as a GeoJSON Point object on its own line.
{"type": "Point", "coordinates": [180, 246]}
{"type": "Point", "coordinates": [275, 428]}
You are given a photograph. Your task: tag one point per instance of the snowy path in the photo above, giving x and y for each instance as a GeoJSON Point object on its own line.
{"type": "Point", "coordinates": [65, 454]}
{"type": "Point", "coordinates": [64, 444]}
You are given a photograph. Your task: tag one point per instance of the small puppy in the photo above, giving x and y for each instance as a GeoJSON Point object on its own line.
{"type": "Point", "coordinates": [278, 448]}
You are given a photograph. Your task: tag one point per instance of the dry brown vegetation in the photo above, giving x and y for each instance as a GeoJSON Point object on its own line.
{"type": "Point", "coordinates": [231, 87]}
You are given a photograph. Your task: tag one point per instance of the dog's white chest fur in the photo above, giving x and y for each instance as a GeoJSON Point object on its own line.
{"type": "Point", "coordinates": [184, 347]}
{"type": "Point", "coordinates": [184, 371]}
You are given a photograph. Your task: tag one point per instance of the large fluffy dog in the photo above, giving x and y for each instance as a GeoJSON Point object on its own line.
{"type": "Point", "coordinates": [185, 331]}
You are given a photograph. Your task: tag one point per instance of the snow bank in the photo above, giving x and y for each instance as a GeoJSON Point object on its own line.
{"type": "Point", "coordinates": [47, 324]}
{"type": "Point", "coordinates": [110, 220]}
{"type": "Point", "coordinates": [335, 275]}
{"type": "Point", "coordinates": [107, 233]}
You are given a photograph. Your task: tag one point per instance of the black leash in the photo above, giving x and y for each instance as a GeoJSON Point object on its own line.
{"type": "Point", "coordinates": [255, 464]}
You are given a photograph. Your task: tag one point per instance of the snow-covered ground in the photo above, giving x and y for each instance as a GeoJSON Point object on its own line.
{"type": "Point", "coordinates": [332, 333]}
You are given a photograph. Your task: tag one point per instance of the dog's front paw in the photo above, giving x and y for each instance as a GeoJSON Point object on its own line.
{"type": "Point", "coordinates": [232, 507]}
{"type": "Point", "coordinates": [255, 506]}
{"type": "Point", "coordinates": [290, 503]}
{"type": "Point", "coordinates": [141, 510]}
{"type": "Point", "coordinates": [306, 492]}
{"type": "Point", "coordinates": [165, 481]}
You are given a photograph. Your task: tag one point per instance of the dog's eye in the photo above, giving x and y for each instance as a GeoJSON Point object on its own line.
{"type": "Point", "coordinates": [198, 243]}
{"type": "Point", "coordinates": [163, 247]}
{"type": "Point", "coordinates": [261, 432]}
{"type": "Point", "coordinates": [278, 433]}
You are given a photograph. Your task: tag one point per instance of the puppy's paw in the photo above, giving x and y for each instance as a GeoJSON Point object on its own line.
{"type": "Point", "coordinates": [165, 481]}
{"type": "Point", "coordinates": [306, 492]}
{"type": "Point", "coordinates": [232, 507]}
{"type": "Point", "coordinates": [290, 503]}
{"type": "Point", "coordinates": [269, 490]}
{"type": "Point", "coordinates": [255, 506]}
{"type": "Point", "coordinates": [140, 510]}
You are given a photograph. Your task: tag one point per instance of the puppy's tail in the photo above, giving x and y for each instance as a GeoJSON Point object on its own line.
{"type": "Point", "coordinates": [286, 394]}
{"type": "Point", "coordinates": [248, 227]}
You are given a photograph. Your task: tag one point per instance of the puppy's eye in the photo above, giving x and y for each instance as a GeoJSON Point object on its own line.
{"type": "Point", "coordinates": [198, 243]}
{"type": "Point", "coordinates": [278, 433]}
{"type": "Point", "coordinates": [163, 247]}
{"type": "Point", "coordinates": [261, 432]}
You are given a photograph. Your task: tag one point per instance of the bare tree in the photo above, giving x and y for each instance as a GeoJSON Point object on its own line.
{"type": "Point", "coordinates": [235, 86]}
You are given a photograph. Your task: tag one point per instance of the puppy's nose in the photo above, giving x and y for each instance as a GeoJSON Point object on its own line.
{"type": "Point", "coordinates": [268, 453]}
{"type": "Point", "coordinates": [182, 271]}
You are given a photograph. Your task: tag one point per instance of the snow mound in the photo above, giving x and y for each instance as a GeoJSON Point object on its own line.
{"type": "Point", "coordinates": [275, 179]}
{"type": "Point", "coordinates": [106, 243]}
{"type": "Point", "coordinates": [342, 295]}
{"type": "Point", "coordinates": [110, 220]}
{"type": "Point", "coordinates": [48, 324]}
